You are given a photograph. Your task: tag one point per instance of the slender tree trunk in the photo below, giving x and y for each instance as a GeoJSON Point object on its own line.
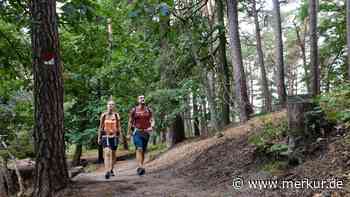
{"type": "Point", "coordinates": [51, 172]}
{"type": "Point", "coordinates": [99, 146]}
{"type": "Point", "coordinates": [315, 76]}
{"type": "Point", "coordinates": [188, 118]}
{"type": "Point", "coordinates": [208, 76]}
{"type": "Point", "coordinates": [348, 33]}
{"type": "Point", "coordinates": [7, 183]}
{"type": "Point", "coordinates": [176, 132]}
{"type": "Point", "coordinates": [223, 64]}
{"type": "Point", "coordinates": [281, 88]}
{"type": "Point", "coordinates": [110, 39]}
{"type": "Point", "coordinates": [203, 120]}
{"type": "Point", "coordinates": [77, 154]}
{"type": "Point", "coordinates": [250, 78]}
{"type": "Point", "coordinates": [209, 81]}
{"type": "Point", "coordinates": [301, 43]}
{"type": "Point", "coordinates": [195, 116]}
{"type": "Point", "coordinates": [264, 81]}
{"type": "Point", "coordinates": [239, 75]}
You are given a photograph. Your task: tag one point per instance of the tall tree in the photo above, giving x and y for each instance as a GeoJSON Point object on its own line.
{"type": "Point", "coordinates": [265, 86]}
{"type": "Point", "coordinates": [314, 67]}
{"type": "Point", "coordinates": [236, 56]}
{"type": "Point", "coordinates": [176, 130]}
{"type": "Point", "coordinates": [281, 88]}
{"type": "Point", "coordinates": [223, 63]}
{"type": "Point", "coordinates": [301, 42]}
{"type": "Point", "coordinates": [348, 33]}
{"type": "Point", "coordinates": [51, 172]}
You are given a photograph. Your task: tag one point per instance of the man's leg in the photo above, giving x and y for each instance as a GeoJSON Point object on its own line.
{"type": "Point", "coordinates": [139, 156]}
{"type": "Point", "coordinates": [144, 147]}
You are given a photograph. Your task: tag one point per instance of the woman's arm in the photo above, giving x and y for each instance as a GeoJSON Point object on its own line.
{"type": "Point", "coordinates": [100, 127]}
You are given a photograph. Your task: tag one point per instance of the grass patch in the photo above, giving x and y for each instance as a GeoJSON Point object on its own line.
{"type": "Point", "coordinates": [275, 167]}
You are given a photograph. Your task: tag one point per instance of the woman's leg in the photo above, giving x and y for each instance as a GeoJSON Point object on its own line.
{"type": "Point", "coordinates": [114, 159]}
{"type": "Point", "coordinates": [108, 158]}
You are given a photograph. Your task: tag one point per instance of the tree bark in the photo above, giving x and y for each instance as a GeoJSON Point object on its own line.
{"type": "Point", "coordinates": [203, 119]}
{"type": "Point", "coordinates": [223, 64]}
{"type": "Point", "coordinates": [264, 81]}
{"type": "Point", "coordinates": [315, 76]}
{"type": "Point", "coordinates": [195, 116]}
{"type": "Point", "coordinates": [296, 108]}
{"type": "Point", "coordinates": [77, 154]}
{"type": "Point", "coordinates": [348, 33]}
{"type": "Point", "coordinates": [301, 43]}
{"type": "Point", "coordinates": [281, 88]}
{"type": "Point", "coordinates": [239, 75]}
{"type": "Point", "coordinates": [7, 183]}
{"type": "Point", "coordinates": [51, 172]}
{"type": "Point", "coordinates": [176, 132]}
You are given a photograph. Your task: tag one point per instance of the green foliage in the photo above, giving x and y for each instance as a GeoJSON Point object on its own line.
{"type": "Point", "coordinates": [336, 104]}
{"type": "Point", "coordinates": [23, 146]}
{"type": "Point", "coordinates": [268, 140]}
{"type": "Point", "coordinates": [275, 167]}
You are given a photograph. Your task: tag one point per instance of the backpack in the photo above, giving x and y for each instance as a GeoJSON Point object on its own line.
{"type": "Point", "coordinates": [103, 120]}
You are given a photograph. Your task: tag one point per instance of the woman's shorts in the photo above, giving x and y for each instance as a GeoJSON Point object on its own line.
{"type": "Point", "coordinates": [110, 142]}
{"type": "Point", "coordinates": [140, 139]}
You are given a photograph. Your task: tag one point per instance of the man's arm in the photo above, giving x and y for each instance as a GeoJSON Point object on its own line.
{"type": "Point", "coordinates": [129, 124]}
{"type": "Point", "coordinates": [153, 123]}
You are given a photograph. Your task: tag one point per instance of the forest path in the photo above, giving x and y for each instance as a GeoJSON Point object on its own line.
{"type": "Point", "coordinates": [196, 167]}
{"type": "Point", "coordinates": [128, 183]}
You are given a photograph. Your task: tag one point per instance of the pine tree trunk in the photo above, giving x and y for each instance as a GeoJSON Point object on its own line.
{"type": "Point", "coordinates": [210, 81]}
{"type": "Point", "coordinates": [203, 119]}
{"type": "Point", "coordinates": [265, 86]}
{"type": "Point", "coordinates": [301, 43]}
{"type": "Point", "coordinates": [51, 172]}
{"type": "Point", "coordinates": [239, 75]}
{"type": "Point", "coordinates": [281, 88]}
{"type": "Point", "coordinates": [77, 154]}
{"type": "Point", "coordinates": [99, 146]}
{"type": "Point", "coordinates": [7, 183]}
{"type": "Point", "coordinates": [315, 76]}
{"type": "Point", "coordinates": [195, 115]}
{"type": "Point", "coordinates": [176, 132]}
{"type": "Point", "coordinates": [223, 64]}
{"type": "Point", "coordinates": [208, 76]}
{"type": "Point", "coordinates": [348, 33]}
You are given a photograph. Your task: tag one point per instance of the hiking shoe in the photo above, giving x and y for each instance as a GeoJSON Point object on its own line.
{"type": "Point", "coordinates": [143, 171]}
{"type": "Point", "coordinates": [108, 174]}
{"type": "Point", "coordinates": [111, 173]}
{"type": "Point", "coordinates": [140, 171]}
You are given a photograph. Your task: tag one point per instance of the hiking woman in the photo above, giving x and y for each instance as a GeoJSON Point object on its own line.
{"type": "Point", "coordinates": [108, 136]}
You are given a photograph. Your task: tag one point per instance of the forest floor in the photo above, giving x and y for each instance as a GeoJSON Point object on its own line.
{"type": "Point", "coordinates": [207, 167]}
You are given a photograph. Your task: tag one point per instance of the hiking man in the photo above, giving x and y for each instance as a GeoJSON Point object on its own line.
{"type": "Point", "coordinates": [139, 126]}
{"type": "Point", "coordinates": [108, 135]}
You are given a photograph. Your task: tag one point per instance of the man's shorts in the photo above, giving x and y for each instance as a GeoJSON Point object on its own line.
{"type": "Point", "coordinates": [110, 142]}
{"type": "Point", "coordinates": [140, 139]}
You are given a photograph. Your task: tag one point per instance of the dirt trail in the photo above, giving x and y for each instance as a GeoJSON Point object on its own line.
{"type": "Point", "coordinates": [198, 167]}
{"type": "Point", "coordinates": [127, 183]}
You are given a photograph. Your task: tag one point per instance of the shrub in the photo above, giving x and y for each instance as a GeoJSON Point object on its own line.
{"type": "Point", "coordinates": [268, 140]}
{"type": "Point", "coordinates": [336, 104]}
